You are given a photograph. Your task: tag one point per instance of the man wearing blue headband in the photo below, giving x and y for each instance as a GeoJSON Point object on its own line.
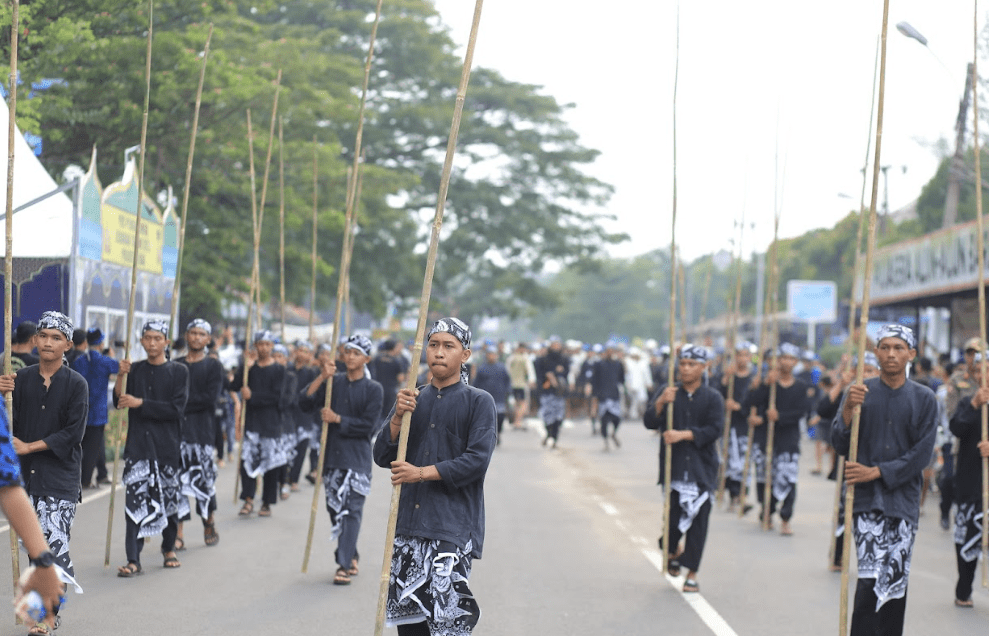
{"type": "Point", "coordinates": [792, 402]}
{"type": "Point", "coordinates": [156, 394]}
{"type": "Point", "coordinates": [440, 528]}
{"type": "Point", "coordinates": [738, 434]}
{"type": "Point", "coordinates": [698, 415]}
{"type": "Point", "coordinates": [898, 424]}
{"type": "Point", "coordinates": [306, 424]}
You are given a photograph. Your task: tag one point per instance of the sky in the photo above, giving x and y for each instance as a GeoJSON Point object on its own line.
{"type": "Point", "coordinates": [772, 106]}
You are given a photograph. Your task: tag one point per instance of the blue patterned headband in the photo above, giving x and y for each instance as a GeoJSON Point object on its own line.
{"type": "Point", "coordinates": [869, 359]}
{"type": "Point", "coordinates": [56, 320]}
{"type": "Point", "coordinates": [302, 344]}
{"type": "Point", "coordinates": [897, 331]}
{"type": "Point", "coordinates": [263, 336]}
{"type": "Point", "coordinates": [199, 323]}
{"type": "Point", "coordinates": [156, 324]}
{"type": "Point", "coordinates": [460, 331]}
{"type": "Point", "coordinates": [789, 349]}
{"type": "Point", "coordinates": [359, 343]}
{"type": "Point", "coordinates": [280, 348]}
{"type": "Point", "coordinates": [694, 352]}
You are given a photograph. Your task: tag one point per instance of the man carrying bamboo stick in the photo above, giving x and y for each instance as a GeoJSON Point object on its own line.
{"type": "Point", "coordinates": [156, 394]}
{"type": "Point", "coordinates": [607, 384]}
{"type": "Point", "coordinates": [306, 424]}
{"type": "Point", "coordinates": [440, 526]}
{"type": "Point", "coordinates": [791, 404]}
{"type": "Point", "coordinates": [199, 431]}
{"type": "Point", "coordinates": [264, 451]}
{"type": "Point", "coordinates": [50, 406]}
{"type": "Point", "coordinates": [898, 424]}
{"type": "Point", "coordinates": [353, 415]}
{"type": "Point", "coordinates": [966, 425]}
{"type": "Point", "coordinates": [738, 433]}
{"type": "Point", "coordinates": [698, 417]}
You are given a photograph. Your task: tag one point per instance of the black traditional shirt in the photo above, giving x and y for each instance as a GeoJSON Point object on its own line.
{"type": "Point", "coordinates": [703, 413]}
{"type": "Point", "coordinates": [494, 379]}
{"type": "Point", "coordinates": [57, 415]}
{"type": "Point", "coordinates": [358, 403]}
{"type": "Point", "coordinates": [154, 429]}
{"type": "Point", "coordinates": [896, 433]}
{"type": "Point", "coordinates": [607, 376]}
{"type": "Point", "coordinates": [966, 425]}
{"type": "Point", "coordinates": [739, 418]}
{"type": "Point", "coordinates": [263, 409]}
{"type": "Point", "coordinates": [205, 384]}
{"type": "Point", "coordinates": [453, 429]}
{"type": "Point", "coordinates": [302, 417]}
{"type": "Point", "coordinates": [792, 403]}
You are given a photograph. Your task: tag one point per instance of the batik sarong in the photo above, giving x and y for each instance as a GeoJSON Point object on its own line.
{"type": "Point", "coordinates": [428, 582]}
{"type": "Point", "coordinates": [885, 546]}
{"type": "Point", "coordinates": [737, 444]}
{"type": "Point", "coordinates": [198, 478]}
{"type": "Point", "coordinates": [552, 408]}
{"type": "Point", "coordinates": [261, 454]}
{"type": "Point", "coordinates": [691, 500]}
{"type": "Point", "coordinates": [339, 483]}
{"type": "Point", "coordinates": [968, 530]}
{"type": "Point", "coordinates": [786, 468]}
{"type": "Point", "coordinates": [152, 495]}
{"type": "Point", "coordinates": [55, 516]}
{"type": "Point", "coordinates": [613, 407]}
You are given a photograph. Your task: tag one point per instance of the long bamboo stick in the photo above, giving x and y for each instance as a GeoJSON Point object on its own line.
{"type": "Point", "coordinates": [683, 301]}
{"type": "Point", "coordinates": [188, 181]}
{"type": "Point", "coordinates": [129, 333]}
{"type": "Point", "coordinates": [773, 365]}
{"type": "Point", "coordinates": [250, 303]}
{"type": "Point", "coordinates": [315, 231]}
{"type": "Point", "coordinates": [671, 363]}
{"type": "Point", "coordinates": [980, 241]}
{"type": "Point", "coordinates": [763, 330]}
{"type": "Point", "coordinates": [8, 261]}
{"type": "Point", "coordinates": [427, 285]}
{"type": "Point", "coordinates": [733, 342]}
{"type": "Point", "coordinates": [264, 190]}
{"type": "Point", "coordinates": [866, 290]}
{"type": "Point", "coordinates": [342, 276]}
{"type": "Point", "coordinates": [281, 222]}
{"type": "Point", "coordinates": [853, 301]}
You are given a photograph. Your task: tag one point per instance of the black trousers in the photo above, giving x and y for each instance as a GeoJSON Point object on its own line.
{"type": "Point", "coordinates": [946, 481]}
{"type": "Point", "coordinates": [966, 574]}
{"type": "Point", "coordinates": [269, 488]}
{"type": "Point", "coordinates": [866, 621]}
{"type": "Point", "coordinates": [786, 509]}
{"type": "Point", "coordinates": [295, 470]}
{"type": "Point", "coordinates": [414, 629]}
{"type": "Point", "coordinates": [693, 548]}
{"type": "Point", "coordinates": [605, 420]}
{"type": "Point", "coordinates": [553, 430]}
{"type": "Point", "coordinates": [133, 544]}
{"type": "Point", "coordinates": [734, 487]}
{"type": "Point", "coordinates": [93, 454]}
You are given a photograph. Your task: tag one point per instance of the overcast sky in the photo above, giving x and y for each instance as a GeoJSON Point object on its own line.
{"type": "Point", "coordinates": [744, 66]}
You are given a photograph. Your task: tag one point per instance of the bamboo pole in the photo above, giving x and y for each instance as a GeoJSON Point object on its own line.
{"type": "Point", "coordinates": [853, 301]}
{"type": "Point", "coordinates": [683, 301]}
{"type": "Point", "coordinates": [866, 290]}
{"type": "Point", "coordinates": [427, 284]}
{"type": "Point", "coordinates": [8, 269]}
{"type": "Point", "coordinates": [315, 230]}
{"type": "Point", "coordinates": [342, 276]}
{"type": "Point", "coordinates": [980, 241]}
{"type": "Point", "coordinates": [281, 222]}
{"type": "Point", "coordinates": [264, 191]}
{"type": "Point", "coordinates": [188, 180]}
{"type": "Point", "coordinates": [733, 342]}
{"type": "Point", "coordinates": [129, 333]}
{"type": "Point", "coordinates": [671, 363]}
{"type": "Point", "coordinates": [250, 308]}
{"type": "Point", "coordinates": [773, 365]}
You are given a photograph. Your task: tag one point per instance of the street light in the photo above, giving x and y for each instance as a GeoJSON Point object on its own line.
{"type": "Point", "coordinates": [906, 29]}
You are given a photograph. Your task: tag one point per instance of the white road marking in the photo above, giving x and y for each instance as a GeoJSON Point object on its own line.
{"type": "Point", "coordinates": [610, 510]}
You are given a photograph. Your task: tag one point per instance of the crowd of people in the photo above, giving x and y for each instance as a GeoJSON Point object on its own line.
{"type": "Point", "coordinates": [739, 420]}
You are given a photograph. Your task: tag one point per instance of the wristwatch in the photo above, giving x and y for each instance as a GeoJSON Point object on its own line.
{"type": "Point", "coordinates": [44, 560]}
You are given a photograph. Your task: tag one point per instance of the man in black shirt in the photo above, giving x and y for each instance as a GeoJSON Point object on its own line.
{"type": "Point", "coordinates": [607, 382]}
{"type": "Point", "coordinates": [50, 405]}
{"type": "Point", "coordinates": [22, 344]}
{"type": "Point", "coordinates": [389, 368]}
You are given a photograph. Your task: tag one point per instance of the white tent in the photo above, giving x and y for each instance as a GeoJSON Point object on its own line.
{"type": "Point", "coordinates": [43, 230]}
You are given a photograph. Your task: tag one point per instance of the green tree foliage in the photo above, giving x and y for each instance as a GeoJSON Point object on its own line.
{"type": "Point", "coordinates": [930, 203]}
{"type": "Point", "coordinates": [519, 198]}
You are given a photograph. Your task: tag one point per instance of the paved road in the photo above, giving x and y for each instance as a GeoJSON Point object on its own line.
{"type": "Point", "coordinates": [570, 550]}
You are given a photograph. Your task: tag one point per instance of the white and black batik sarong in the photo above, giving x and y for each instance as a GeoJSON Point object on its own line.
{"type": "Point", "coordinates": [198, 479]}
{"type": "Point", "coordinates": [737, 445]}
{"type": "Point", "coordinates": [758, 460]}
{"type": "Point", "coordinates": [552, 408]}
{"type": "Point", "coordinates": [261, 454]}
{"type": "Point", "coordinates": [339, 484]}
{"type": "Point", "coordinates": [691, 501]}
{"type": "Point", "coordinates": [308, 434]}
{"type": "Point", "coordinates": [612, 407]}
{"type": "Point", "coordinates": [968, 530]}
{"type": "Point", "coordinates": [786, 468]}
{"type": "Point", "coordinates": [885, 546]}
{"type": "Point", "coordinates": [55, 516]}
{"type": "Point", "coordinates": [429, 582]}
{"type": "Point", "coordinates": [152, 495]}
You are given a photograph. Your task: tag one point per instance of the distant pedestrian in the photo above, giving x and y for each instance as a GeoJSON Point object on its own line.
{"type": "Point", "coordinates": [551, 373]}
{"type": "Point", "coordinates": [607, 385]}
{"type": "Point", "coordinates": [97, 369]}
{"type": "Point", "coordinates": [492, 376]}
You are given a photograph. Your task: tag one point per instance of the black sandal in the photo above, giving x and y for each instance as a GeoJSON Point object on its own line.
{"type": "Point", "coordinates": [246, 509]}
{"type": "Point", "coordinates": [179, 544]}
{"type": "Point", "coordinates": [210, 535]}
{"type": "Point", "coordinates": [341, 577]}
{"type": "Point", "coordinates": [690, 585]}
{"type": "Point", "coordinates": [130, 570]}
{"type": "Point", "coordinates": [673, 567]}
{"type": "Point", "coordinates": [171, 563]}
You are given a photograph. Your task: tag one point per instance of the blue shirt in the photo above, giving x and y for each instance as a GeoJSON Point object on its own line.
{"type": "Point", "coordinates": [358, 403]}
{"type": "Point", "coordinates": [454, 430]}
{"type": "Point", "coordinates": [97, 369]}
{"type": "Point", "coordinates": [10, 465]}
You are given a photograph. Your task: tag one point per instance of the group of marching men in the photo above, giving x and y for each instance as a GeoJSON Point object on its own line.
{"type": "Point", "coordinates": [169, 453]}
{"type": "Point", "coordinates": [899, 423]}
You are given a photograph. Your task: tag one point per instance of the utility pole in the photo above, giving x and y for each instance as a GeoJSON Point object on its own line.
{"type": "Point", "coordinates": [957, 167]}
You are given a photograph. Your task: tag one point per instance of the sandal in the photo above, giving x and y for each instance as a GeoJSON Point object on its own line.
{"type": "Point", "coordinates": [42, 629]}
{"type": "Point", "coordinates": [246, 509]}
{"type": "Point", "coordinates": [673, 567]}
{"type": "Point", "coordinates": [341, 577]}
{"type": "Point", "coordinates": [690, 585]}
{"type": "Point", "coordinates": [966, 604]}
{"type": "Point", "coordinates": [129, 570]}
{"type": "Point", "coordinates": [171, 562]}
{"type": "Point", "coordinates": [179, 544]}
{"type": "Point", "coordinates": [210, 536]}
{"type": "Point", "coordinates": [354, 570]}
{"type": "Point", "coordinates": [265, 511]}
